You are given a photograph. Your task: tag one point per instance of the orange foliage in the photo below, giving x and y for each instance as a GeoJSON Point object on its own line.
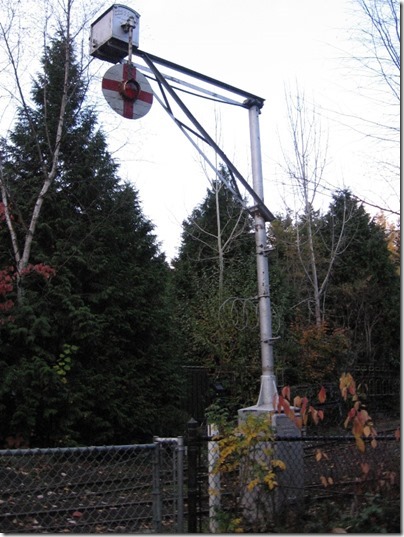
{"type": "Point", "coordinates": [362, 424]}
{"type": "Point", "coordinates": [300, 411]}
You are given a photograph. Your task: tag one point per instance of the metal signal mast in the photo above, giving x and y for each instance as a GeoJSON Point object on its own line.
{"type": "Point", "coordinates": [114, 37]}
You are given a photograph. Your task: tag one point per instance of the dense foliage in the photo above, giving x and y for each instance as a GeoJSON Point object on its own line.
{"type": "Point", "coordinates": [214, 279]}
{"type": "Point", "coordinates": [95, 331]}
{"type": "Point", "coordinates": [360, 304]}
{"type": "Point", "coordinates": [85, 355]}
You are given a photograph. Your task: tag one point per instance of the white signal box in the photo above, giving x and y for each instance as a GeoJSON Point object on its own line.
{"type": "Point", "coordinates": [110, 33]}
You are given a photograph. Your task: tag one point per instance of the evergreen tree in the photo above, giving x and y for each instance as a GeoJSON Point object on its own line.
{"type": "Point", "coordinates": [87, 357]}
{"type": "Point", "coordinates": [360, 304]}
{"type": "Point", "coordinates": [364, 297]}
{"type": "Point", "coordinates": [217, 295]}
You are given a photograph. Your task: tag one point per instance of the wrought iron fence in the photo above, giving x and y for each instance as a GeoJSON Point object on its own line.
{"type": "Point", "coordinates": [128, 489]}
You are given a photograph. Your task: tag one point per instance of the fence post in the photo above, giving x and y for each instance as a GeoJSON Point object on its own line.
{"type": "Point", "coordinates": [180, 482]}
{"type": "Point", "coordinates": [156, 488]}
{"type": "Point", "coordinates": [192, 429]}
{"type": "Point", "coordinates": [214, 479]}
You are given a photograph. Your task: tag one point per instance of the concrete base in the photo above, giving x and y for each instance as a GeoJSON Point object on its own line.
{"type": "Point", "coordinates": [290, 488]}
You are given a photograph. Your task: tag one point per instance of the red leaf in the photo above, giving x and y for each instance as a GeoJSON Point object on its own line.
{"type": "Point", "coordinates": [357, 427]}
{"type": "Point", "coordinates": [77, 514]}
{"type": "Point", "coordinates": [363, 416]}
{"type": "Point", "coordinates": [365, 467]}
{"type": "Point", "coordinates": [286, 392]}
{"type": "Point", "coordinates": [314, 414]}
{"type": "Point", "coordinates": [280, 403]}
{"type": "Point", "coordinates": [322, 395]}
{"type": "Point", "coordinates": [299, 422]}
{"type": "Point", "coordinates": [286, 407]}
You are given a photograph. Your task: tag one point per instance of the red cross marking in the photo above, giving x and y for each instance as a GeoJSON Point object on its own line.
{"type": "Point", "coordinates": [126, 88]}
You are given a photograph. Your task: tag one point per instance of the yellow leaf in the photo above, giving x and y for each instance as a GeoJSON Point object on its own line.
{"type": "Point", "coordinates": [297, 401]}
{"type": "Point", "coordinates": [363, 416]}
{"type": "Point", "coordinates": [324, 481]}
{"type": "Point", "coordinates": [373, 443]}
{"type": "Point", "coordinates": [330, 481]}
{"type": "Point", "coordinates": [366, 431]}
{"type": "Point", "coordinates": [252, 484]}
{"type": "Point", "coordinates": [319, 455]}
{"type": "Point", "coordinates": [360, 444]}
{"type": "Point", "coordinates": [276, 463]}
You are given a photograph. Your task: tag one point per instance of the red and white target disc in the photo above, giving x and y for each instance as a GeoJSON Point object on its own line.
{"type": "Point", "coordinates": [127, 91]}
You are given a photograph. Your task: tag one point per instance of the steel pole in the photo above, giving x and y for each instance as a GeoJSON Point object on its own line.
{"type": "Point", "coordinates": [268, 389]}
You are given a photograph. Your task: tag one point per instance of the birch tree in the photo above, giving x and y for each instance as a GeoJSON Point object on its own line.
{"type": "Point", "coordinates": [380, 61]}
{"type": "Point", "coordinates": [374, 63]}
{"type": "Point", "coordinates": [305, 165]}
{"type": "Point", "coordinates": [47, 150]}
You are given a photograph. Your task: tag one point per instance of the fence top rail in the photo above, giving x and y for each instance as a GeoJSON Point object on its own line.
{"type": "Point", "coordinates": [335, 438]}
{"type": "Point", "coordinates": [76, 450]}
{"type": "Point", "coordinates": [315, 438]}
{"type": "Point", "coordinates": [170, 440]}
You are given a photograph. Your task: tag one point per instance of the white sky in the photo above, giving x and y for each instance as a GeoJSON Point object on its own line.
{"type": "Point", "coordinates": [263, 47]}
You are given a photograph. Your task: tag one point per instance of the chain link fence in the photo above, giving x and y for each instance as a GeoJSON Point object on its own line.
{"type": "Point", "coordinates": [119, 489]}
{"type": "Point", "coordinates": [327, 482]}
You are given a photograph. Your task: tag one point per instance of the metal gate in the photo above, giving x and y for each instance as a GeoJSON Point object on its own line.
{"type": "Point", "coordinates": [122, 489]}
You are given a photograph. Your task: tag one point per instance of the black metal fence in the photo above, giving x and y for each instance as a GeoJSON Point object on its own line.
{"type": "Point", "coordinates": [128, 489]}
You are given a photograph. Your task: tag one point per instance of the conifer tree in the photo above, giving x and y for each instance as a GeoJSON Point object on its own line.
{"type": "Point", "coordinates": [364, 296]}
{"type": "Point", "coordinates": [86, 356]}
{"type": "Point", "coordinates": [215, 281]}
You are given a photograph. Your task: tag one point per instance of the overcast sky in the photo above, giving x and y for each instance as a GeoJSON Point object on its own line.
{"type": "Point", "coordinates": [266, 47]}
